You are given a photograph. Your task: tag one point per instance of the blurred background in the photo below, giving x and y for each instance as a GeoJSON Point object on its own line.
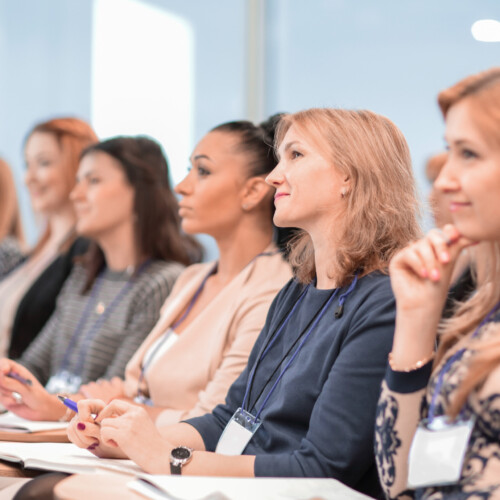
{"type": "Point", "coordinates": [172, 69]}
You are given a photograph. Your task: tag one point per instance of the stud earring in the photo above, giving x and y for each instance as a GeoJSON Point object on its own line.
{"type": "Point", "coordinates": [343, 193]}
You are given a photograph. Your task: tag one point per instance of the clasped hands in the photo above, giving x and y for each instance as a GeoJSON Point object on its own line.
{"type": "Point", "coordinates": [120, 430]}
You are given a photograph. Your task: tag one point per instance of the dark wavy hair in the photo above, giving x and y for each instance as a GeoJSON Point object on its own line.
{"type": "Point", "coordinates": [157, 226]}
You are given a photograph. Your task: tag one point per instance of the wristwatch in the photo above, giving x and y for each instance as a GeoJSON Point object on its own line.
{"type": "Point", "coordinates": [178, 457]}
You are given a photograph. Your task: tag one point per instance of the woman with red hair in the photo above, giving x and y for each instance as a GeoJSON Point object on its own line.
{"type": "Point", "coordinates": [28, 294]}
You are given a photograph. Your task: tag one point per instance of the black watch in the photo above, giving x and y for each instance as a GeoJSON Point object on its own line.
{"type": "Point", "coordinates": [178, 457]}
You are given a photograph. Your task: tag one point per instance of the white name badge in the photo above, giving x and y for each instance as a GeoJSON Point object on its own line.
{"type": "Point", "coordinates": [64, 382]}
{"type": "Point", "coordinates": [437, 452]}
{"type": "Point", "coordinates": [237, 434]}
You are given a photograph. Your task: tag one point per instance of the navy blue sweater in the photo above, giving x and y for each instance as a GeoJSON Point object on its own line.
{"type": "Point", "coordinates": [319, 422]}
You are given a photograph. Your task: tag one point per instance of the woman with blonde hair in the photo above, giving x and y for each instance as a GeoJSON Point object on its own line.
{"type": "Point", "coordinates": [11, 230]}
{"type": "Point", "coordinates": [28, 294]}
{"type": "Point", "coordinates": [305, 403]}
{"type": "Point", "coordinates": [444, 406]}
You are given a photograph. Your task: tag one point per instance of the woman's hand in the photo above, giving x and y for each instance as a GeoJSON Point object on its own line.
{"type": "Point", "coordinates": [420, 279]}
{"type": "Point", "coordinates": [105, 390]}
{"type": "Point", "coordinates": [85, 432]}
{"type": "Point", "coordinates": [129, 428]}
{"type": "Point", "coordinates": [28, 400]}
{"type": "Point", "coordinates": [421, 272]}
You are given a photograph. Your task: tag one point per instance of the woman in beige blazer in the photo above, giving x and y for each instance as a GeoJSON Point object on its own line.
{"type": "Point", "coordinates": [211, 320]}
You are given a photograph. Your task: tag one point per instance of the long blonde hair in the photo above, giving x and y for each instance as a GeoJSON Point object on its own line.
{"type": "Point", "coordinates": [10, 217]}
{"type": "Point", "coordinates": [483, 93]}
{"type": "Point", "coordinates": [382, 210]}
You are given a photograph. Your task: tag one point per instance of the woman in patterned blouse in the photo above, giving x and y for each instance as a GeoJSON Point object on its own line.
{"type": "Point", "coordinates": [464, 379]}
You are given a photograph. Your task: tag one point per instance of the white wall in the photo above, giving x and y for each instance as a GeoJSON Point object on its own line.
{"type": "Point", "coordinates": [391, 56]}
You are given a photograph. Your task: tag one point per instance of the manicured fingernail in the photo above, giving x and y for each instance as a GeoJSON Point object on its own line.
{"type": "Point", "coordinates": [80, 426]}
{"type": "Point", "coordinates": [91, 447]}
{"type": "Point", "coordinates": [434, 275]}
{"type": "Point", "coordinates": [445, 257]}
{"type": "Point", "coordinates": [424, 273]}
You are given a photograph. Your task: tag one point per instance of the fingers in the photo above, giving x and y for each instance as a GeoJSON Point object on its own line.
{"type": "Point", "coordinates": [84, 434]}
{"type": "Point", "coordinates": [110, 436]}
{"type": "Point", "coordinates": [114, 409]}
{"type": "Point", "coordinates": [87, 408]}
{"type": "Point", "coordinates": [5, 366]}
{"type": "Point", "coordinates": [433, 255]}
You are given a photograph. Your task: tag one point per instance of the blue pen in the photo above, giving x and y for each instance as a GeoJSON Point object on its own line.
{"type": "Point", "coordinates": [69, 403]}
{"type": "Point", "coordinates": [16, 376]}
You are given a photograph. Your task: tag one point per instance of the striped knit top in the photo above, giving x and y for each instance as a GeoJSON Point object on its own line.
{"type": "Point", "coordinates": [106, 349]}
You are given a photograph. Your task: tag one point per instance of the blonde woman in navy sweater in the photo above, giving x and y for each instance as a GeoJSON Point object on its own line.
{"type": "Point", "coordinates": [305, 404]}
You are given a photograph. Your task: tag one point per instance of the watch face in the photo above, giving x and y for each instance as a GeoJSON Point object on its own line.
{"type": "Point", "coordinates": [181, 453]}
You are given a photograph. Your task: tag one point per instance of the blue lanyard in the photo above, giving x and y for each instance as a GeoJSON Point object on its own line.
{"type": "Point", "coordinates": [94, 329]}
{"type": "Point", "coordinates": [306, 334]}
{"type": "Point", "coordinates": [190, 306]}
{"type": "Point", "coordinates": [455, 357]}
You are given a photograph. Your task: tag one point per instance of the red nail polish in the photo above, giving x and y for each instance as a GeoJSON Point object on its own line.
{"type": "Point", "coordinates": [80, 426]}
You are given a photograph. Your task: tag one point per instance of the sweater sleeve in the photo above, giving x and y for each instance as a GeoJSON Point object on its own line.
{"type": "Point", "coordinates": [398, 413]}
{"type": "Point", "coordinates": [38, 357]}
{"type": "Point", "coordinates": [339, 442]}
{"type": "Point", "coordinates": [142, 318]}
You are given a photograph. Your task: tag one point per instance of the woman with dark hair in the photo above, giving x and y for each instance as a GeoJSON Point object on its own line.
{"type": "Point", "coordinates": [112, 298]}
{"type": "Point", "coordinates": [211, 319]}
{"type": "Point", "coordinates": [305, 403]}
{"type": "Point", "coordinates": [28, 293]}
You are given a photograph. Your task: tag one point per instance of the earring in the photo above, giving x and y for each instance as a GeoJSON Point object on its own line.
{"type": "Point", "coordinates": [245, 206]}
{"type": "Point", "coordinates": [343, 192]}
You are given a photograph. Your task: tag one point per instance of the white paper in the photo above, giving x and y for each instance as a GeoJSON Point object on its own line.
{"type": "Point", "coordinates": [12, 423]}
{"type": "Point", "coordinates": [232, 488]}
{"type": "Point", "coordinates": [63, 457]}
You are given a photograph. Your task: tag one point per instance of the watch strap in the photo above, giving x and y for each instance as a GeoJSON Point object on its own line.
{"type": "Point", "coordinates": [175, 469]}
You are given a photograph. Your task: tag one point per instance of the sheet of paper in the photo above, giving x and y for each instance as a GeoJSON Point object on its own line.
{"type": "Point", "coordinates": [64, 457]}
{"type": "Point", "coordinates": [13, 423]}
{"type": "Point", "coordinates": [219, 488]}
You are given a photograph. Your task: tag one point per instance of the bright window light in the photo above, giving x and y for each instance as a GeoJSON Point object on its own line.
{"type": "Point", "coordinates": [142, 76]}
{"type": "Point", "coordinates": [486, 30]}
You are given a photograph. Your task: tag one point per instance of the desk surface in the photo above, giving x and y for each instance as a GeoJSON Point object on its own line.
{"type": "Point", "coordinates": [104, 486]}
{"type": "Point", "coordinates": [57, 436]}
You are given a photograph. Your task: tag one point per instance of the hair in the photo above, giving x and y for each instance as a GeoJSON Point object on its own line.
{"type": "Point", "coordinates": [10, 217]}
{"type": "Point", "coordinates": [378, 221]}
{"type": "Point", "coordinates": [72, 135]}
{"type": "Point", "coordinates": [157, 226]}
{"type": "Point", "coordinates": [257, 142]}
{"type": "Point", "coordinates": [482, 91]}
{"type": "Point", "coordinates": [434, 165]}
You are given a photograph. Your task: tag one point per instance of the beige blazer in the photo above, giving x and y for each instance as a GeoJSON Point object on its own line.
{"type": "Point", "coordinates": [195, 373]}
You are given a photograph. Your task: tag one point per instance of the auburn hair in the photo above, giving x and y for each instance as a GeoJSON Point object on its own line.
{"type": "Point", "coordinates": [482, 92]}
{"type": "Point", "coordinates": [378, 219]}
{"type": "Point", "coordinates": [10, 217]}
{"type": "Point", "coordinates": [73, 136]}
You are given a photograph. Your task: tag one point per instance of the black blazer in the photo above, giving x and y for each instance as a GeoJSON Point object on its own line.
{"type": "Point", "coordinates": [39, 302]}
